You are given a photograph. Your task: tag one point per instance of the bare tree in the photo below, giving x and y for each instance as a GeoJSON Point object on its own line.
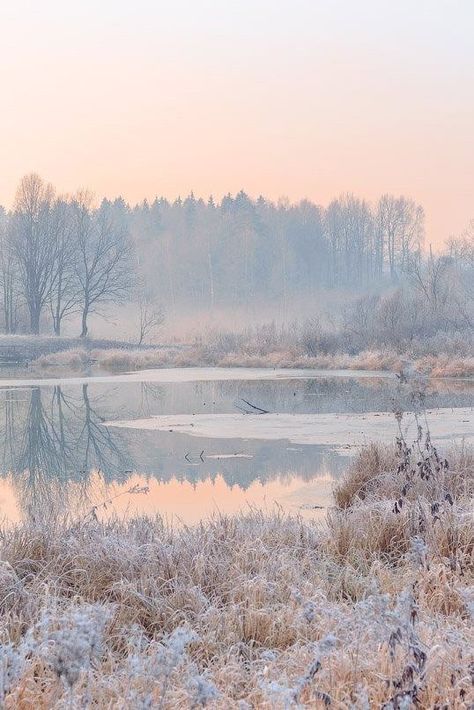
{"type": "Point", "coordinates": [35, 248]}
{"type": "Point", "coordinates": [349, 231]}
{"type": "Point", "coordinates": [103, 265]}
{"type": "Point", "coordinates": [65, 295]}
{"type": "Point", "coordinates": [399, 231]}
{"type": "Point", "coordinates": [461, 252]}
{"type": "Point", "coordinates": [431, 278]}
{"type": "Point", "coordinates": [151, 318]}
{"type": "Point", "coordinates": [412, 230]}
{"type": "Point", "coordinates": [9, 279]}
{"type": "Point", "coordinates": [461, 249]}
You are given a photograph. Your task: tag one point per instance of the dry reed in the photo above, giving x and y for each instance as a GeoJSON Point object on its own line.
{"type": "Point", "coordinates": [116, 360]}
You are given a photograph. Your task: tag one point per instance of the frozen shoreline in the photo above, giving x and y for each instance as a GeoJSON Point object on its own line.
{"type": "Point", "coordinates": [321, 429]}
{"type": "Point", "coordinates": [195, 374]}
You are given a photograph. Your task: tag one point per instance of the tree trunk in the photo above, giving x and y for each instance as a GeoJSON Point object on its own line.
{"type": "Point", "coordinates": [211, 272]}
{"type": "Point", "coordinates": [57, 310]}
{"type": "Point", "coordinates": [34, 320]}
{"type": "Point", "coordinates": [85, 313]}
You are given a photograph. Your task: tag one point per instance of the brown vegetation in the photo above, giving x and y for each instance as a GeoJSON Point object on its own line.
{"type": "Point", "coordinates": [118, 360]}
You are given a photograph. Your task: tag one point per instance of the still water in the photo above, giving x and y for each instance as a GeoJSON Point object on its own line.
{"type": "Point", "coordinates": [61, 452]}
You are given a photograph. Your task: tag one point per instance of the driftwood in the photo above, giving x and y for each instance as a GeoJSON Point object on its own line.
{"type": "Point", "coordinates": [250, 408]}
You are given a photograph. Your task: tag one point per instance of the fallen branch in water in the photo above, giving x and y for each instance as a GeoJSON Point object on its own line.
{"type": "Point", "coordinates": [253, 408]}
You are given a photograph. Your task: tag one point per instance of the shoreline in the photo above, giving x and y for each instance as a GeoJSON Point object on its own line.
{"type": "Point", "coordinates": [66, 374]}
{"type": "Point", "coordinates": [121, 360]}
{"type": "Point", "coordinates": [334, 430]}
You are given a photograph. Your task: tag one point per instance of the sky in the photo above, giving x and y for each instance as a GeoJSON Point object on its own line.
{"type": "Point", "coordinates": [296, 98]}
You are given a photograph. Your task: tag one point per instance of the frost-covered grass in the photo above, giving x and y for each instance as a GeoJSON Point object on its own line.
{"type": "Point", "coordinates": [372, 609]}
{"type": "Point", "coordinates": [110, 359]}
{"type": "Point", "coordinates": [59, 351]}
{"type": "Point", "coordinates": [294, 346]}
{"type": "Point", "coordinates": [118, 360]}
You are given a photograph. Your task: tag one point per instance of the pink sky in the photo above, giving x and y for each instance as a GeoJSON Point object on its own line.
{"type": "Point", "coordinates": [298, 99]}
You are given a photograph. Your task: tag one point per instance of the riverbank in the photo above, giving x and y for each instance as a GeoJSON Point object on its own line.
{"type": "Point", "coordinates": [123, 360]}
{"type": "Point", "coordinates": [25, 349]}
{"type": "Point", "coordinates": [373, 607]}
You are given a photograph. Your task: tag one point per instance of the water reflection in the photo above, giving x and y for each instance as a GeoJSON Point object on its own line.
{"type": "Point", "coordinates": [51, 439]}
{"type": "Point", "coordinates": [57, 455]}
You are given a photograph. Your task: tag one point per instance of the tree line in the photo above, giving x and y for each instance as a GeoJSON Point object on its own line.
{"type": "Point", "coordinates": [62, 256]}
{"type": "Point", "coordinates": [241, 250]}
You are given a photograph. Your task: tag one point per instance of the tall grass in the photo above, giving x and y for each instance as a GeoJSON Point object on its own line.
{"type": "Point", "coordinates": [117, 360]}
{"type": "Point", "coordinates": [372, 609]}
{"type": "Point", "coordinates": [297, 345]}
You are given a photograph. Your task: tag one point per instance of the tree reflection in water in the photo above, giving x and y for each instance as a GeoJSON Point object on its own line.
{"type": "Point", "coordinates": [52, 442]}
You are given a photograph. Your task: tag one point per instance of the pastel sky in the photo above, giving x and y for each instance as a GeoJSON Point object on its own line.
{"type": "Point", "coordinates": [303, 98]}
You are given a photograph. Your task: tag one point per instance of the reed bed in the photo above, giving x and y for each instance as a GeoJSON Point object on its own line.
{"type": "Point", "coordinates": [373, 608]}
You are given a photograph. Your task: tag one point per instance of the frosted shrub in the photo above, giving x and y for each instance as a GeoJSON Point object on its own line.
{"type": "Point", "coordinates": [156, 663]}
{"type": "Point", "coordinates": [172, 651]}
{"type": "Point", "coordinates": [309, 612]}
{"type": "Point", "coordinates": [202, 691]}
{"type": "Point", "coordinates": [468, 597]}
{"type": "Point", "coordinates": [419, 551]}
{"type": "Point", "coordinates": [71, 642]}
{"type": "Point", "coordinates": [280, 695]}
{"type": "Point", "coordinates": [12, 664]}
{"type": "Point", "coordinates": [290, 696]}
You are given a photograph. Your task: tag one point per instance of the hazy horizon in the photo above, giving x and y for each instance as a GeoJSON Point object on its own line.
{"type": "Point", "coordinates": [301, 99]}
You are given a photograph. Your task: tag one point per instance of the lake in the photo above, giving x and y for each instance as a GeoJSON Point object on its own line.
{"type": "Point", "coordinates": [190, 442]}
